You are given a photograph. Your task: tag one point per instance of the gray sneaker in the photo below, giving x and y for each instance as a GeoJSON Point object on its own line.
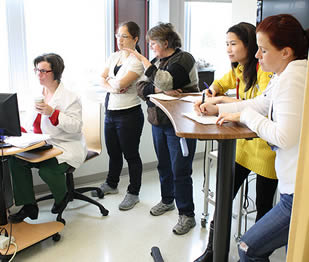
{"type": "Point", "coordinates": [106, 189]}
{"type": "Point", "coordinates": [184, 225]}
{"type": "Point", "coordinates": [161, 208]}
{"type": "Point", "coordinates": [128, 202]}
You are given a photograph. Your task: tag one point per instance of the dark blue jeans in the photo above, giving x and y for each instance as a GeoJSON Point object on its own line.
{"type": "Point", "coordinates": [123, 131]}
{"type": "Point", "coordinates": [174, 169]}
{"type": "Point", "coordinates": [269, 233]}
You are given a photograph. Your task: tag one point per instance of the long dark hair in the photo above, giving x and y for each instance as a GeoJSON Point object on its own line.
{"type": "Point", "coordinates": [134, 31]}
{"type": "Point", "coordinates": [284, 30]}
{"type": "Point", "coordinates": [246, 33]}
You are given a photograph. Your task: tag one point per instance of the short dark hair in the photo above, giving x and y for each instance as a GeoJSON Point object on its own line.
{"type": "Point", "coordinates": [246, 33]}
{"type": "Point", "coordinates": [284, 30]}
{"type": "Point", "coordinates": [55, 61]}
{"type": "Point", "coordinates": [164, 32]}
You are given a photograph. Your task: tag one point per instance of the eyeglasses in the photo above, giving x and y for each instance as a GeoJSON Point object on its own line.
{"type": "Point", "coordinates": [42, 71]}
{"type": "Point", "coordinates": [118, 36]}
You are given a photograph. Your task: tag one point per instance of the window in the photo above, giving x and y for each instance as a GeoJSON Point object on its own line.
{"type": "Point", "coordinates": [206, 24]}
{"type": "Point", "coordinates": [4, 87]}
{"type": "Point", "coordinates": [73, 29]}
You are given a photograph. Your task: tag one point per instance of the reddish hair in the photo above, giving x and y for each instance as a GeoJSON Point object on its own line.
{"type": "Point", "coordinates": [284, 30]}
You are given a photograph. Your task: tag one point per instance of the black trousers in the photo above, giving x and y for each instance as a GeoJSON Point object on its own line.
{"type": "Point", "coordinates": [123, 130]}
{"type": "Point", "coordinates": [265, 189]}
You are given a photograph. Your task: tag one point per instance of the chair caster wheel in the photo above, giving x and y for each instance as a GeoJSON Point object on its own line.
{"type": "Point", "coordinates": [100, 194]}
{"type": "Point", "coordinates": [104, 211]}
{"type": "Point", "coordinates": [60, 219]}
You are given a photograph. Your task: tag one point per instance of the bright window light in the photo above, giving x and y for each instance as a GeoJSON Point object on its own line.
{"type": "Point", "coordinates": [208, 23]}
{"type": "Point", "coordinates": [74, 29]}
{"type": "Point", "coordinates": [4, 87]}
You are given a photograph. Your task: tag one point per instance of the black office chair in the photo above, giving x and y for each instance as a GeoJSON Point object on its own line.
{"type": "Point", "coordinates": [92, 132]}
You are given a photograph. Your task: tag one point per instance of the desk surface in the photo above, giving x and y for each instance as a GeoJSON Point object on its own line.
{"type": "Point", "coordinates": [15, 150]}
{"type": "Point", "coordinates": [26, 234]}
{"type": "Point", "coordinates": [35, 157]}
{"type": "Point", "coordinates": [185, 127]}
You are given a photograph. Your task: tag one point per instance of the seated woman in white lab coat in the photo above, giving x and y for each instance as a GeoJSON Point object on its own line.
{"type": "Point", "coordinates": [59, 114]}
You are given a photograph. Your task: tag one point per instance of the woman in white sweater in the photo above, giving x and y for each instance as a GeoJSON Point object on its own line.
{"type": "Point", "coordinates": [283, 49]}
{"type": "Point", "coordinates": [124, 118]}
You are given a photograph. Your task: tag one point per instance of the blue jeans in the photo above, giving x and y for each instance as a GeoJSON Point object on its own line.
{"type": "Point", "coordinates": [269, 233]}
{"type": "Point", "coordinates": [123, 131]}
{"type": "Point", "coordinates": [174, 169]}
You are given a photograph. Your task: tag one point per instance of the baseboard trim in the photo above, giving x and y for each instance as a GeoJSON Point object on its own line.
{"type": "Point", "coordinates": [100, 177]}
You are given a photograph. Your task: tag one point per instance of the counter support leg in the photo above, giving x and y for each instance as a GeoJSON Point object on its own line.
{"type": "Point", "coordinates": [224, 198]}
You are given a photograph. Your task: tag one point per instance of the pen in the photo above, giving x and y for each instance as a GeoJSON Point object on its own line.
{"type": "Point", "coordinates": [207, 87]}
{"type": "Point", "coordinates": [203, 96]}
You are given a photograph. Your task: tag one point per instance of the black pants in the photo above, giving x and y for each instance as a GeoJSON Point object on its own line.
{"type": "Point", "coordinates": [265, 189]}
{"type": "Point", "coordinates": [123, 130]}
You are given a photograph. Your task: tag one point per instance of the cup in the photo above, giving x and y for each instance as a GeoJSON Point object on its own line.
{"type": "Point", "coordinates": [39, 99]}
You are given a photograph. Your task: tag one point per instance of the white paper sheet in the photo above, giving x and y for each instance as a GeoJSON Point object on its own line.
{"type": "Point", "coordinates": [26, 139]}
{"type": "Point", "coordinates": [162, 96]}
{"type": "Point", "coordinates": [206, 120]}
{"type": "Point", "coordinates": [191, 99]}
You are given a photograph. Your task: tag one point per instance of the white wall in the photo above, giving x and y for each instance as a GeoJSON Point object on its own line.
{"type": "Point", "coordinates": [244, 11]}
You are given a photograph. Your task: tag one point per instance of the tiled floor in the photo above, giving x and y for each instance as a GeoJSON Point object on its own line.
{"type": "Point", "coordinates": [127, 235]}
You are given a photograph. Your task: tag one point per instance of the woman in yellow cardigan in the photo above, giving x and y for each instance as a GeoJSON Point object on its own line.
{"type": "Point", "coordinates": [247, 77]}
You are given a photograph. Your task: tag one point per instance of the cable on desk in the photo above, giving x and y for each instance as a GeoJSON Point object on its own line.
{"type": "Point", "coordinates": [16, 248]}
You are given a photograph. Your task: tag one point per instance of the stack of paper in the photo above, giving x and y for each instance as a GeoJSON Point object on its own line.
{"type": "Point", "coordinates": [206, 120]}
{"type": "Point", "coordinates": [26, 139]}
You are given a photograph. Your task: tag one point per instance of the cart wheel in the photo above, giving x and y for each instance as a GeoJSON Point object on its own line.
{"type": "Point", "coordinates": [5, 258]}
{"type": "Point", "coordinates": [56, 237]}
{"type": "Point", "coordinates": [203, 222]}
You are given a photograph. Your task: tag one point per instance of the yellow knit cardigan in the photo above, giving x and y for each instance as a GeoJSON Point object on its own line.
{"type": "Point", "coordinates": [254, 154]}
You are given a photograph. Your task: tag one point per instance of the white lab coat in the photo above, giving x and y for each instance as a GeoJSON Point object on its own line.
{"type": "Point", "coordinates": [67, 135]}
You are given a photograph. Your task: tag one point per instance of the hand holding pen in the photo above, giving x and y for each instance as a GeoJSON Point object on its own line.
{"type": "Point", "coordinates": [209, 91]}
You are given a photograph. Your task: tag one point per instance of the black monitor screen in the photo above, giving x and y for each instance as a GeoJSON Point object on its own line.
{"type": "Point", "coordinates": [9, 115]}
{"type": "Point", "coordinates": [9, 126]}
{"type": "Point", "coordinates": [297, 8]}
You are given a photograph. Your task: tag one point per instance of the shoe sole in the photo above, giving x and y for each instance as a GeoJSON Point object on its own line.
{"type": "Point", "coordinates": [159, 214]}
{"type": "Point", "coordinates": [182, 233]}
{"type": "Point", "coordinates": [95, 194]}
{"type": "Point", "coordinates": [127, 208]}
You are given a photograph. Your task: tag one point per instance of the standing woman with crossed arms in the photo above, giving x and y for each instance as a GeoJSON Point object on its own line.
{"type": "Point", "coordinates": [254, 155]}
{"type": "Point", "coordinates": [124, 118]}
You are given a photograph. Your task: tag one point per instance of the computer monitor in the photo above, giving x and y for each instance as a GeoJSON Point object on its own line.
{"type": "Point", "coordinates": [9, 126]}
{"type": "Point", "coordinates": [9, 117]}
